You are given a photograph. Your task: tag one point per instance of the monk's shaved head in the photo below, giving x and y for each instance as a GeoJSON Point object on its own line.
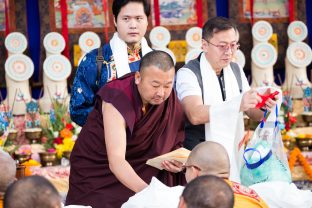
{"type": "Point", "coordinates": [211, 158]}
{"type": "Point", "coordinates": [159, 59]}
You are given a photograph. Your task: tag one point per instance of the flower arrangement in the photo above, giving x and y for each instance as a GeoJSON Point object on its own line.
{"type": "Point", "coordinates": [60, 133]}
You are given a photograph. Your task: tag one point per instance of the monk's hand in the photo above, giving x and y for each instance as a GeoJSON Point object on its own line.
{"type": "Point", "coordinates": [249, 100]}
{"type": "Point", "coordinates": [172, 165]}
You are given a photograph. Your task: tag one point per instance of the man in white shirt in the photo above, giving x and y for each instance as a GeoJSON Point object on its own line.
{"type": "Point", "coordinates": [215, 92]}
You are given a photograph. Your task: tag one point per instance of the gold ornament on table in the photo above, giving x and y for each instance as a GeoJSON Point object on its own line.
{"type": "Point", "coordinates": [48, 158]}
{"type": "Point", "coordinates": [22, 157]}
{"type": "Point", "coordinates": [33, 135]}
{"type": "Point", "coordinates": [12, 134]}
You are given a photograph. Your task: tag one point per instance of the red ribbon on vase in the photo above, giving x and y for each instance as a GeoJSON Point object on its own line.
{"type": "Point", "coordinates": [7, 24]}
{"type": "Point", "coordinates": [199, 13]}
{"type": "Point", "coordinates": [291, 10]}
{"type": "Point", "coordinates": [157, 12]}
{"type": "Point", "coordinates": [104, 2]}
{"type": "Point", "coordinates": [63, 6]}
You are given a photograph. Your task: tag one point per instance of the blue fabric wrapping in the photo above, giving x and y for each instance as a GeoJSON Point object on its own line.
{"type": "Point", "coordinates": [222, 8]}
{"type": "Point", "coordinates": [33, 30]}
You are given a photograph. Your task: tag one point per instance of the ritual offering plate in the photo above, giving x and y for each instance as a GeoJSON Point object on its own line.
{"type": "Point", "coordinates": [12, 134]}
{"type": "Point", "coordinates": [48, 158]}
{"type": "Point", "coordinates": [159, 37]}
{"type": "Point", "coordinates": [297, 31]}
{"type": "Point", "coordinates": [263, 55]}
{"type": "Point", "coordinates": [19, 67]}
{"type": "Point", "coordinates": [262, 31]}
{"type": "Point", "coordinates": [33, 134]}
{"type": "Point", "coordinates": [307, 117]}
{"type": "Point", "coordinates": [193, 37]}
{"type": "Point", "coordinates": [15, 42]}
{"type": "Point", "coordinates": [89, 41]}
{"type": "Point", "coordinates": [66, 154]}
{"type": "Point", "coordinates": [54, 43]}
{"type": "Point", "coordinates": [304, 144]}
{"type": "Point", "coordinates": [299, 54]}
{"type": "Point", "coordinates": [57, 67]}
{"type": "Point", "coordinates": [22, 157]}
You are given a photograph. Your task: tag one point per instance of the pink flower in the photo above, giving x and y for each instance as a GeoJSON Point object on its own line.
{"type": "Point", "coordinates": [51, 150]}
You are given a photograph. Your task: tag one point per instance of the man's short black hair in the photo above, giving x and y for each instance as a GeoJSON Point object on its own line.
{"type": "Point", "coordinates": [118, 4]}
{"type": "Point", "coordinates": [217, 24]}
{"type": "Point", "coordinates": [208, 191]}
{"type": "Point", "coordinates": [160, 59]}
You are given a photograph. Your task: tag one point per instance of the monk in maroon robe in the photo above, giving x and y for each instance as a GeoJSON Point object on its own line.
{"type": "Point", "coordinates": [135, 118]}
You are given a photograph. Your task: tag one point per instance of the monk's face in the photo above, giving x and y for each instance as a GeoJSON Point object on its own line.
{"type": "Point", "coordinates": [131, 23]}
{"type": "Point", "coordinates": [154, 84]}
{"type": "Point", "coordinates": [221, 48]}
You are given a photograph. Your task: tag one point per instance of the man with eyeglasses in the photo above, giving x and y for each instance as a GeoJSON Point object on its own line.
{"type": "Point", "coordinates": [215, 92]}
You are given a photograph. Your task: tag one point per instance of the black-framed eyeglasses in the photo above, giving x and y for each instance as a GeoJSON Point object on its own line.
{"type": "Point", "coordinates": [184, 167]}
{"type": "Point", "coordinates": [225, 47]}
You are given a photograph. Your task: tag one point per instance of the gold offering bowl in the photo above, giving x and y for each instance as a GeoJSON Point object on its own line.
{"type": "Point", "coordinates": [66, 154]}
{"type": "Point", "coordinates": [48, 158]}
{"type": "Point", "coordinates": [22, 157]}
{"type": "Point", "coordinates": [12, 134]}
{"type": "Point", "coordinates": [33, 135]}
{"type": "Point", "coordinates": [307, 117]}
{"type": "Point", "coordinates": [305, 144]}
{"type": "Point", "coordinates": [289, 143]}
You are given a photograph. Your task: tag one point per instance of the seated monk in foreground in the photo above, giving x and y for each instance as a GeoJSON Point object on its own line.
{"type": "Point", "coordinates": [207, 158]}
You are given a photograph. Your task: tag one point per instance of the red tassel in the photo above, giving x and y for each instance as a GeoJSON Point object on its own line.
{"type": "Point", "coordinates": [7, 24]}
{"type": "Point", "coordinates": [157, 12]}
{"type": "Point", "coordinates": [199, 13]}
{"type": "Point", "coordinates": [63, 5]}
{"type": "Point", "coordinates": [251, 12]}
{"type": "Point", "coordinates": [106, 20]}
{"type": "Point", "coordinates": [291, 10]}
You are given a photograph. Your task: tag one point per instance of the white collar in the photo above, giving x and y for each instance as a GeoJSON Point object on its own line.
{"type": "Point", "coordinates": [120, 53]}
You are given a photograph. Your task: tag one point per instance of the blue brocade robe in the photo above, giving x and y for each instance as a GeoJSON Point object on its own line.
{"type": "Point", "coordinates": [84, 86]}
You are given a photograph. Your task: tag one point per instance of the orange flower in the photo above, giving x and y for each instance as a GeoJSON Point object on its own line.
{"type": "Point", "coordinates": [28, 164]}
{"type": "Point", "coordinates": [66, 133]}
{"type": "Point", "coordinates": [296, 153]}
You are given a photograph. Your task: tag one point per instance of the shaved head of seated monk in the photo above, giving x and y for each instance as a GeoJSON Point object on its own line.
{"type": "Point", "coordinates": [207, 158]}
{"type": "Point", "coordinates": [207, 191]}
{"type": "Point", "coordinates": [32, 191]}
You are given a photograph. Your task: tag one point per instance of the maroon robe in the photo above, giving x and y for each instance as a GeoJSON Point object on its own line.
{"type": "Point", "coordinates": [159, 131]}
